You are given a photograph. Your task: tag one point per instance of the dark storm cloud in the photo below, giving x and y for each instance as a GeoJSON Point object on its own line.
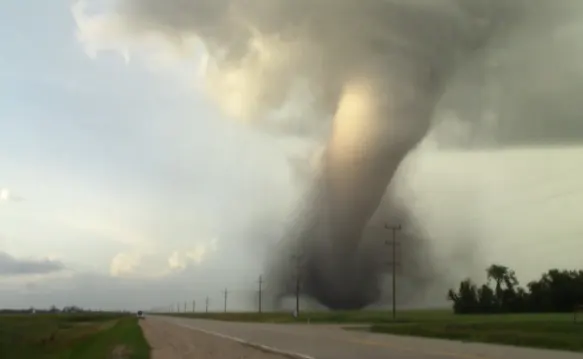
{"type": "Point", "coordinates": [382, 70]}
{"type": "Point", "coordinates": [11, 266]}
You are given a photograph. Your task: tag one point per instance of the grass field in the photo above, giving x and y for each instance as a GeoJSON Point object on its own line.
{"type": "Point", "coordinates": [552, 331]}
{"type": "Point", "coordinates": [71, 336]}
{"type": "Point", "coordinates": [353, 317]}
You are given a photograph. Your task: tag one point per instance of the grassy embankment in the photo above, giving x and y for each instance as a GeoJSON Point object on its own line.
{"type": "Point", "coordinates": [71, 336]}
{"type": "Point", "coordinates": [552, 331]}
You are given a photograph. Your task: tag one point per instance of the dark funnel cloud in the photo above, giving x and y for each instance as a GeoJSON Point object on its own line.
{"type": "Point", "coordinates": [381, 70]}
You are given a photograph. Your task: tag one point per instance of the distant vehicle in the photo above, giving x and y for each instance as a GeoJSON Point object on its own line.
{"type": "Point", "coordinates": [140, 315]}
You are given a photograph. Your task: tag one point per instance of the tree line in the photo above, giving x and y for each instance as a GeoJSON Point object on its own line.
{"type": "Point", "coordinates": [556, 291]}
{"type": "Point", "coordinates": [53, 309]}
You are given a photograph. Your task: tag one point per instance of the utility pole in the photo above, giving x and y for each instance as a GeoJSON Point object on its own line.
{"type": "Point", "coordinates": [194, 306]}
{"type": "Point", "coordinates": [298, 258]}
{"type": "Point", "coordinates": [393, 243]}
{"type": "Point", "coordinates": [184, 307]}
{"type": "Point", "coordinates": [226, 292]}
{"type": "Point", "coordinates": [260, 284]}
{"type": "Point", "coordinates": [207, 303]}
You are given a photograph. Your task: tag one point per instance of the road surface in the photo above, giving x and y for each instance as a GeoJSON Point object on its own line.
{"type": "Point", "coordinates": [169, 341]}
{"type": "Point", "coordinates": [333, 342]}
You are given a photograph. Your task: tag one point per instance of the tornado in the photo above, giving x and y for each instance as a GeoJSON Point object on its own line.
{"type": "Point", "coordinates": [375, 70]}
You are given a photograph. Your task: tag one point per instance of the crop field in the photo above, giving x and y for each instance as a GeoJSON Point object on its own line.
{"type": "Point", "coordinates": [71, 336]}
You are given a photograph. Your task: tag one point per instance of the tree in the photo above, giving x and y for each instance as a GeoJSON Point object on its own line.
{"type": "Point", "coordinates": [502, 275]}
{"type": "Point", "coordinates": [466, 299]}
{"type": "Point", "coordinates": [556, 291]}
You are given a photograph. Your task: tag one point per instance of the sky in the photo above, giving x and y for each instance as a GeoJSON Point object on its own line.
{"type": "Point", "coordinates": [123, 186]}
{"type": "Point", "coordinates": [112, 171]}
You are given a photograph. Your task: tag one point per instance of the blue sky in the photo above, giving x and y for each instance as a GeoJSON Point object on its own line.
{"type": "Point", "coordinates": [129, 180]}
{"type": "Point", "coordinates": [110, 160]}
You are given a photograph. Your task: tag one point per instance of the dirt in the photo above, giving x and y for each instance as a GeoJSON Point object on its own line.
{"type": "Point", "coordinates": [121, 352]}
{"type": "Point", "coordinates": [169, 341]}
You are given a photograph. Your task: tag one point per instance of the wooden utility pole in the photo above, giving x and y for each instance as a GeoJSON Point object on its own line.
{"type": "Point", "coordinates": [260, 294]}
{"type": "Point", "coordinates": [207, 304]}
{"type": "Point", "coordinates": [393, 244]}
{"type": "Point", "coordinates": [226, 299]}
{"type": "Point", "coordinates": [194, 306]}
{"type": "Point", "coordinates": [298, 259]}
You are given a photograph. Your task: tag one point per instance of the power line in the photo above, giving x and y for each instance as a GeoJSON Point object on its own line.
{"type": "Point", "coordinates": [393, 243]}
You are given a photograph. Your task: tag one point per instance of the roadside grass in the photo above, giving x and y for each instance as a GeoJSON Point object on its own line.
{"type": "Point", "coordinates": [375, 317]}
{"type": "Point", "coordinates": [551, 331]}
{"type": "Point", "coordinates": [537, 331]}
{"type": "Point", "coordinates": [71, 336]}
{"type": "Point", "coordinates": [337, 317]}
{"type": "Point", "coordinates": [124, 340]}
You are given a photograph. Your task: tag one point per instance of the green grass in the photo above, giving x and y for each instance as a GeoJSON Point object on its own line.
{"type": "Point", "coordinates": [71, 336]}
{"type": "Point", "coordinates": [548, 331]}
{"type": "Point", "coordinates": [552, 331]}
{"type": "Point", "coordinates": [340, 317]}
{"type": "Point", "coordinates": [124, 337]}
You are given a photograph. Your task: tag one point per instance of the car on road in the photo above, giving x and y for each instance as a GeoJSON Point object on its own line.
{"type": "Point", "coordinates": [140, 315]}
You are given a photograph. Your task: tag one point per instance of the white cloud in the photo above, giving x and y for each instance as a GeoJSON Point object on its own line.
{"type": "Point", "coordinates": [4, 194]}
{"type": "Point", "coordinates": [179, 261]}
{"type": "Point", "coordinates": [161, 262]}
{"type": "Point", "coordinates": [99, 32]}
{"type": "Point", "coordinates": [124, 263]}
{"type": "Point", "coordinates": [7, 196]}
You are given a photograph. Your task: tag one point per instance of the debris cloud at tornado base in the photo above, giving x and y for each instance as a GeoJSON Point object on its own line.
{"type": "Point", "coordinates": [373, 73]}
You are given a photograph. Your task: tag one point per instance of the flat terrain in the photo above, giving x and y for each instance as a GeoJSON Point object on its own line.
{"type": "Point", "coordinates": [550, 331]}
{"type": "Point", "coordinates": [71, 336]}
{"type": "Point", "coordinates": [331, 341]}
{"type": "Point", "coordinates": [169, 341]}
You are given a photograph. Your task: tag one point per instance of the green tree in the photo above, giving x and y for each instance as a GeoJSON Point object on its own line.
{"type": "Point", "coordinates": [465, 300]}
{"type": "Point", "coordinates": [556, 291]}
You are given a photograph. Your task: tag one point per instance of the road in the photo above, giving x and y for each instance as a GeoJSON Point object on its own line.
{"type": "Point", "coordinates": [333, 342]}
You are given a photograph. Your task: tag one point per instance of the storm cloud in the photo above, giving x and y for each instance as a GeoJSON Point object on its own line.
{"type": "Point", "coordinates": [11, 266]}
{"type": "Point", "coordinates": [382, 74]}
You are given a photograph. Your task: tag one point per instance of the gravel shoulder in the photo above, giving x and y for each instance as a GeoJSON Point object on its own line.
{"type": "Point", "coordinates": [170, 341]}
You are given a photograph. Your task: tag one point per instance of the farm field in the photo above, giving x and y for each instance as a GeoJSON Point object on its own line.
{"type": "Point", "coordinates": [71, 336]}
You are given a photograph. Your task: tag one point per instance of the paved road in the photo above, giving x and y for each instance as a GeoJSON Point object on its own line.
{"type": "Point", "coordinates": [332, 342]}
